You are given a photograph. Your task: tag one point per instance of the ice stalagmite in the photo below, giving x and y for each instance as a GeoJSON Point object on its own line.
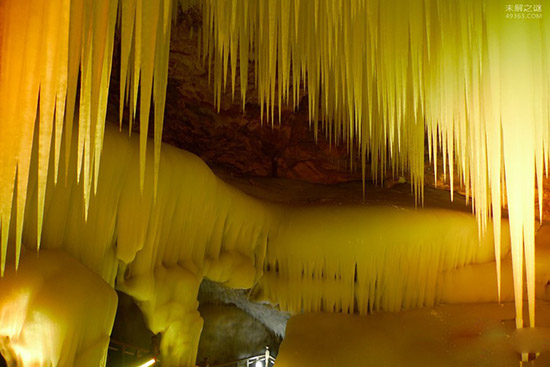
{"type": "Point", "coordinates": [54, 312]}
{"type": "Point", "coordinates": [156, 249]}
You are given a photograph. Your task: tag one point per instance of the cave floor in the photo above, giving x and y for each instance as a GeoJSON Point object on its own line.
{"type": "Point", "coordinates": [446, 335]}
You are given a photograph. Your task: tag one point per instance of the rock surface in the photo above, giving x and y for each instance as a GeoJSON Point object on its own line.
{"type": "Point", "coordinates": [231, 334]}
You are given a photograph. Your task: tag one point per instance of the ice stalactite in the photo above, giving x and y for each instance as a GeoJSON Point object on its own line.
{"type": "Point", "coordinates": [473, 75]}
{"type": "Point", "coordinates": [49, 48]}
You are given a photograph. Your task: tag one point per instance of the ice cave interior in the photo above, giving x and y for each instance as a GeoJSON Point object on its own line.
{"type": "Point", "coordinates": [325, 182]}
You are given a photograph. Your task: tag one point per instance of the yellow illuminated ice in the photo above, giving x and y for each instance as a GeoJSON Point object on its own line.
{"type": "Point", "coordinates": [361, 259]}
{"type": "Point", "coordinates": [44, 46]}
{"type": "Point", "coordinates": [470, 76]}
{"type": "Point", "coordinates": [157, 249]}
{"type": "Point", "coordinates": [380, 76]}
{"type": "Point", "coordinates": [54, 312]}
{"type": "Point", "coordinates": [313, 258]}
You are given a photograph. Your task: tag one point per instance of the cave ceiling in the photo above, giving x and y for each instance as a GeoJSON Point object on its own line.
{"type": "Point", "coordinates": [239, 145]}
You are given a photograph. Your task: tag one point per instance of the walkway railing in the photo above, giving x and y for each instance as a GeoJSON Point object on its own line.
{"type": "Point", "coordinates": [261, 360]}
{"type": "Point", "coordinates": [127, 353]}
{"type": "Point", "coordinates": [124, 354]}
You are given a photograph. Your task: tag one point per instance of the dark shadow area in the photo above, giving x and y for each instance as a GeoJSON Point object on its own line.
{"type": "Point", "coordinates": [132, 343]}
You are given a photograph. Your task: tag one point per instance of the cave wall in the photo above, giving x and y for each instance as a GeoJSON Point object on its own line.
{"type": "Point", "coordinates": [231, 334]}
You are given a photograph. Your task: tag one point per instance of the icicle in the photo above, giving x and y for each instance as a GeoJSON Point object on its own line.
{"type": "Point", "coordinates": [62, 81]}
{"type": "Point", "coordinates": [128, 16]}
{"type": "Point", "coordinates": [45, 46]}
{"type": "Point", "coordinates": [19, 86]}
{"type": "Point", "coordinates": [48, 96]}
{"type": "Point", "coordinates": [437, 66]}
{"type": "Point", "coordinates": [148, 43]}
{"type": "Point", "coordinates": [161, 80]}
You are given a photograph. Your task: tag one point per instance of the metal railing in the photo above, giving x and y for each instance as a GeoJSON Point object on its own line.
{"type": "Point", "coordinates": [264, 360]}
{"type": "Point", "coordinates": [128, 353]}
{"type": "Point", "coordinates": [127, 349]}
{"type": "Point", "coordinates": [122, 354]}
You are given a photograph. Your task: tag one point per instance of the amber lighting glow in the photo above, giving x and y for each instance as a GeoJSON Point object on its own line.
{"type": "Point", "coordinates": [381, 77]}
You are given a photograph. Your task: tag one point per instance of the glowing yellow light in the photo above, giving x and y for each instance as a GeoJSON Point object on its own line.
{"type": "Point", "coordinates": [150, 362]}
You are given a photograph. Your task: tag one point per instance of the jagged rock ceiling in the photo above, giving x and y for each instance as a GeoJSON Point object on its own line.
{"type": "Point", "coordinates": [233, 141]}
